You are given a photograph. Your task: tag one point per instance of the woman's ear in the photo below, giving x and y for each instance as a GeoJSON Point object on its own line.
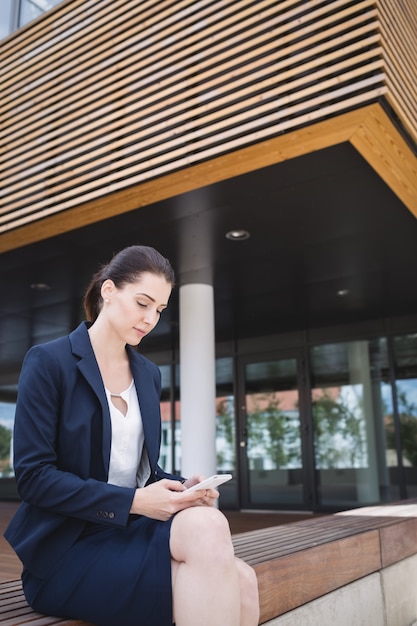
{"type": "Point", "coordinates": [107, 290]}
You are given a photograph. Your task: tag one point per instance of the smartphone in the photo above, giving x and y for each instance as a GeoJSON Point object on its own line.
{"type": "Point", "coordinates": [211, 483]}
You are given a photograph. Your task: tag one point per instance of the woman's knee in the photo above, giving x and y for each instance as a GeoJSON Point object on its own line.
{"type": "Point", "coordinates": [201, 522]}
{"type": "Point", "coordinates": [202, 532]}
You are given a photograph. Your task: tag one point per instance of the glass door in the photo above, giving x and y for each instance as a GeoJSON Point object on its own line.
{"type": "Point", "coordinates": [405, 362]}
{"type": "Point", "coordinates": [272, 429]}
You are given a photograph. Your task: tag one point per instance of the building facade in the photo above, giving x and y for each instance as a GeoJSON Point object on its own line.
{"type": "Point", "coordinates": [269, 150]}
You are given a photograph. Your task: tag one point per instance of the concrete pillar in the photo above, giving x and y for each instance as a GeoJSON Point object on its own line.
{"type": "Point", "coordinates": [197, 379]}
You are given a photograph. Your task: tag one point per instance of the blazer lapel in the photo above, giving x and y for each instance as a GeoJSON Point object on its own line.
{"type": "Point", "coordinates": [88, 367]}
{"type": "Point", "coordinates": [145, 388]}
{"type": "Point", "coordinates": [149, 405]}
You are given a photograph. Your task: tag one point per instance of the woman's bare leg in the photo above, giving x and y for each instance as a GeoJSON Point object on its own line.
{"type": "Point", "coordinates": [249, 597]}
{"type": "Point", "coordinates": [209, 584]}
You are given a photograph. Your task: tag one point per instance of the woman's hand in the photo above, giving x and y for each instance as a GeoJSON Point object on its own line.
{"type": "Point", "coordinates": [161, 500]}
{"type": "Point", "coordinates": [207, 497]}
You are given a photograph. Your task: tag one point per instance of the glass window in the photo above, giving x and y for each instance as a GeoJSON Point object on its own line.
{"type": "Point", "coordinates": [226, 430]}
{"type": "Point", "coordinates": [7, 481]}
{"type": "Point", "coordinates": [7, 411]}
{"type": "Point", "coordinates": [17, 13]}
{"type": "Point", "coordinates": [355, 459]}
{"type": "Point", "coordinates": [405, 357]}
{"type": "Point", "coordinates": [5, 18]}
{"type": "Point", "coordinates": [30, 9]}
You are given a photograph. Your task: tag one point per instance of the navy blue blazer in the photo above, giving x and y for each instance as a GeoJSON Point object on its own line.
{"type": "Point", "coordinates": [62, 441]}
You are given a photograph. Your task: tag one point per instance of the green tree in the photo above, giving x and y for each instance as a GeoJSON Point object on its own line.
{"type": "Point", "coordinates": [274, 432]}
{"type": "Point", "coordinates": [225, 428]}
{"type": "Point", "coordinates": [333, 422]}
{"type": "Point", "coordinates": [5, 439]}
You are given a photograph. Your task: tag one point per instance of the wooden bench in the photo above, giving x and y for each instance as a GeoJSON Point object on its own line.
{"type": "Point", "coordinates": [299, 562]}
{"type": "Point", "coordinates": [295, 563]}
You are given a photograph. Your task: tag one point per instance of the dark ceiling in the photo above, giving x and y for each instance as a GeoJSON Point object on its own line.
{"type": "Point", "coordinates": [319, 224]}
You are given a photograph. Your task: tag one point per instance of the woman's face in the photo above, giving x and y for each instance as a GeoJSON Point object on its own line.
{"type": "Point", "coordinates": [134, 310]}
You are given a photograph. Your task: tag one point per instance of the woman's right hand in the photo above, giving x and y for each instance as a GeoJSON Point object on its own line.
{"type": "Point", "coordinates": [162, 499]}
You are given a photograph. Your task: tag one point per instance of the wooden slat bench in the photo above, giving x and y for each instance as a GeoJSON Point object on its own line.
{"type": "Point", "coordinates": [295, 563]}
{"type": "Point", "coordinates": [300, 562]}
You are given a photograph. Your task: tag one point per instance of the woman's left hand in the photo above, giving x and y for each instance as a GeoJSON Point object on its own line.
{"type": "Point", "coordinates": [207, 497]}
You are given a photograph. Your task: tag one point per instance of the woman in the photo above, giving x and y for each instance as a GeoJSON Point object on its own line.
{"type": "Point", "coordinates": [103, 533]}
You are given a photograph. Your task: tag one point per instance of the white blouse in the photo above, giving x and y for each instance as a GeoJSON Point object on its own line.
{"type": "Point", "coordinates": [127, 439]}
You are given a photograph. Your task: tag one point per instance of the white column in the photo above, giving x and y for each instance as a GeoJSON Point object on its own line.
{"type": "Point", "coordinates": [197, 380]}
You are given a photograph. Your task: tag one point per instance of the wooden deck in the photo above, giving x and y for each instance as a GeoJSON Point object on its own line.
{"type": "Point", "coordinates": [10, 567]}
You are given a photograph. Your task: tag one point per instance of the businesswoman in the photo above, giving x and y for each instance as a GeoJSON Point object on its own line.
{"type": "Point", "coordinates": [104, 534]}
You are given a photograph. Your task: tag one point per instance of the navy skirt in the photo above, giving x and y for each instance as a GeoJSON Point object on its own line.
{"type": "Point", "coordinates": [110, 576]}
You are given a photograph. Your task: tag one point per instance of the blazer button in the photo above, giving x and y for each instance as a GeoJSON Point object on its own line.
{"type": "Point", "coordinates": [111, 515]}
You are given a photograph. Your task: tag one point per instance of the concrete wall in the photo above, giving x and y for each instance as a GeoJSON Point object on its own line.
{"type": "Point", "coordinates": [386, 598]}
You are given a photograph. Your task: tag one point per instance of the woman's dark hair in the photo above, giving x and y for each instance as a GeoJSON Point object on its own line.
{"type": "Point", "coordinates": [125, 267]}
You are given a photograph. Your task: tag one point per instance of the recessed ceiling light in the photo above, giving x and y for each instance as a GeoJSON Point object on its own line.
{"type": "Point", "coordinates": [343, 292]}
{"type": "Point", "coordinates": [40, 287]}
{"type": "Point", "coordinates": [237, 235]}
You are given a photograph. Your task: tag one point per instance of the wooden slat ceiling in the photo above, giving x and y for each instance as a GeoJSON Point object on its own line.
{"type": "Point", "coordinates": [109, 105]}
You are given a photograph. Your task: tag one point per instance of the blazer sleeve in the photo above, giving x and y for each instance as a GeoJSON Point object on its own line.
{"type": "Point", "coordinates": [41, 479]}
